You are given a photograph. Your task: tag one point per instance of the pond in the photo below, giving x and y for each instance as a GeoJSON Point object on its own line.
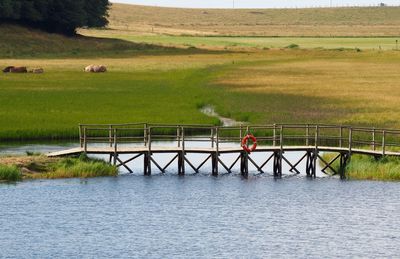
{"type": "Point", "coordinates": [166, 216]}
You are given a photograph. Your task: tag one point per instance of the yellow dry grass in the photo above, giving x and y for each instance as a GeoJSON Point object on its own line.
{"type": "Point", "coordinates": [371, 21]}
{"type": "Point", "coordinates": [356, 88]}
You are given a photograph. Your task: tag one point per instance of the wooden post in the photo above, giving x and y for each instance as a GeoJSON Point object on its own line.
{"type": "Point", "coordinates": [307, 135]}
{"type": "Point", "coordinates": [341, 137]}
{"type": "Point", "coordinates": [241, 133]}
{"type": "Point", "coordinates": [217, 144]}
{"type": "Point", "coordinates": [178, 137]}
{"type": "Point", "coordinates": [181, 155]}
{"type": "Point", "coordinates": [316, 152]}
{"type": "Point", "coordinates": [110, 137]}
{"type": "Point", "coordinates": [274, 136]}
{"type": "Point", "coordinates": [277, 168]}
{"type": "Point", "coordinates": [147, 164]}
{"type": "Point", "coordinates": [384, 143]}
{"type": "Point", "coordinates": [85, 140]}
{"type": "Point", "coordinates": [281, 139]}
{"type": "Point", "coordinates": [344, 159]}
{"type": "Point", "coordinates": [181, 163]}
{"type": "Point", "coordinates": [147, 155]}
{"type": "Point", "coordinates": [374, 139]}
{"type": "Point", "coordinates": [115, 147]}
{"type": "Point", "coordinates": [350, 140]}
{"type": "Point", "coordinates": [145, 137]}
{"type": "Point", "coordinates": [214, 162]}
{"type": "Point", "coordinates": [212, 137]}
{"type": "Point", "coordinates": [80, 136]}
{"type": "Point", "coordinates": [149, 139]}
{"type": "Point", "coordinates": [244, 164]}
{"type": "Point", "coordinates": [183, 139]}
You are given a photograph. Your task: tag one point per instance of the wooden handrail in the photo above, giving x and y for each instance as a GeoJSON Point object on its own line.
{"type": "Point", "coordinates": [287, 134]}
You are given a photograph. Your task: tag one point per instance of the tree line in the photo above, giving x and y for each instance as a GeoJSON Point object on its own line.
{"type": "Point", "coordinates": [61, 16]}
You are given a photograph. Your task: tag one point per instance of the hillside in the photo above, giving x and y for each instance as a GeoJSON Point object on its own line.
{"type": "Point", "coordinates": [351, 21]}
{"type": "Point", "coordinates": [17, 41]}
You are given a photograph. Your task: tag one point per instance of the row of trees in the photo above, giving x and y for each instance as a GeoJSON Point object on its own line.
{"type": "Point", "coordinates": [62, 16]}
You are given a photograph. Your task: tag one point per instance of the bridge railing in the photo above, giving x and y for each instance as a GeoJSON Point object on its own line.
{"type": "Point", "coordinates": [381, 141]}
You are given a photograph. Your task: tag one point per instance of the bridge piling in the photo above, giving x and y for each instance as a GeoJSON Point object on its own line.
{"type": "Point", "coordinates": [244, 164]}
{"type": "Point", "coordinates": [181, 163]}
{"type": "Point", "coordinates": [277, 168]}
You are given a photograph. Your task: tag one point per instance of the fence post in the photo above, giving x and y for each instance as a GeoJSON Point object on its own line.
{"type": "Point", "coordinates": [307, 135]}
{"type": "Point", "coordinates": [281, 139]}
{"type": "Point", "coordinates": [85, 140]}
{"type": "Point", "coordinates": [384, 143]}
{"type": "Point", "coordinates": [110, 138]}
{"type": "Point", "coordinates": [274, 136]}
{"type": "Point", "coordinates": [316, 136]}
{"type": "Point", "coordinates": [145, 134]}
{"type": "Point", "coordinates": [217, 144]}
{"type": "Point", "coordinates": [183, 139]}
{"type": "Point", "coordinates": [241, 133]}
{"type": "Point", "coordinates": [341, 136]}
{"type": "Point", "coordinates": [80, 136]}
{"type": "Point", "coordinates": [350, 139]}
{"type": "Point", "coordinates": [178, 137]}
{"type": "Point", "coordinates": [149, 139]}
{"type": "Point", "coordinates": [212, 137]}
{"type": "Point", "coordinates": [373, 139]}
{"type": "Point", "coordinates": [115, 147]}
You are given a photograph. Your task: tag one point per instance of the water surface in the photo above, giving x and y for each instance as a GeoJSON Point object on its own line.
{"type": "Point", "coordinates": [199, 216]}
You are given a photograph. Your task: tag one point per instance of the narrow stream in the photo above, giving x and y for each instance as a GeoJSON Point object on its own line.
{"type": "Point", "coordinates": [227, 122]}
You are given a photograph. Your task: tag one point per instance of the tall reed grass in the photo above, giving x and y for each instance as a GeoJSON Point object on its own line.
{"type": "Point", "coordinates": [9, 173]}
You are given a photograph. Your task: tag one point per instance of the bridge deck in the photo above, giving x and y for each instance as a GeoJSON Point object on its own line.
{"type": "Point", "coordinates": [221, 150]}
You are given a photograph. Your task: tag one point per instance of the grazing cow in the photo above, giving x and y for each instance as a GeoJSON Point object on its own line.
{"type": "Point", "coordinates": [96, 69]}
{"type": "Point", "coordinates": [8, 69]}
{"type": "Point", "coordinates": [37, 71]}
{"type": "Point", "coordinates": [12, 69]}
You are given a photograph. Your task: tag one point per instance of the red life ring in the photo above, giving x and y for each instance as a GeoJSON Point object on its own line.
{"type": "Point", "coordinates": [244, 143]}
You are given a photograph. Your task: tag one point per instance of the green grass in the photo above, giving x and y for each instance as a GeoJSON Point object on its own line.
{"type": "Point", "coordinates": [276, 86]}
{"type": "Point", "coordinates": [81, 167]}
{"type": "Point", "coordinates": [53, 104]}
{"type": "Point", "coordinates": [363, 167]}
{"type": "Point", "coordinates": [9, 173]}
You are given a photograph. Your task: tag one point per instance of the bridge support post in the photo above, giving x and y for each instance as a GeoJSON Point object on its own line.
{"type": "Point", "coordinates": [147, 163]}
{"type": "Point", "coordinates": [344, 160]}
{"type": "Point", "coordinates": [278, 164]}
{"type": "Point", "coordinates": [181, 163]}
{"type": "Point", "coordinates": [244, 164]}
{"type": "Point", "coordinates": [311, 166]}
{"type": "Point", "coordinates": [214, 163]}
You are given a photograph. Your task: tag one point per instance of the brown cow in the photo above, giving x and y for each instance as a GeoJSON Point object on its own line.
{"type": "Point", "coordinates": [12, 69]}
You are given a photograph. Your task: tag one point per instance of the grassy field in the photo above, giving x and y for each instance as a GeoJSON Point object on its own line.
{"type": "Point", "coordinates": [371, 21]}
{"type": "Point", "coordinates": [359, 88]}
{"type": "Point", "coordinates": [346, 80]}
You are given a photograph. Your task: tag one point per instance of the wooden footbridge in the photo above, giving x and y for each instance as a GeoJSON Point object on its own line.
{"type": "Point", "coordinates": [142, 140]}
